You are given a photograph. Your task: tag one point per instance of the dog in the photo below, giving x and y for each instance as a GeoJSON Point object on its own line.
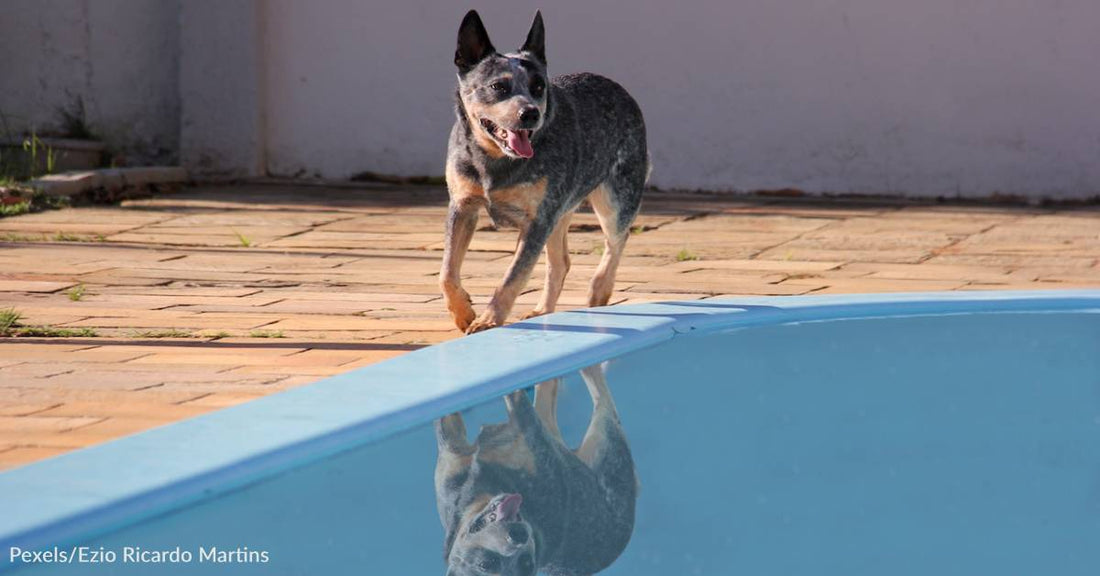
{"type": "Point", "coordinates": [519, 501]}
{"type": "Point", "coordinates": [530, 150]}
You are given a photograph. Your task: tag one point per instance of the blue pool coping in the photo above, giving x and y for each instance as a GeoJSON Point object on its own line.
{"type": "Point", "coordinates": [102, 488]}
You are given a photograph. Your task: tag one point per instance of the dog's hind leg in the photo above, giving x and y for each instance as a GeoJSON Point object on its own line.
{"type": "Point", "coordinates": [606, 450]}
{"type": "Point", "coordinates": [616, 202]}
{"type": "Point", "coordinates": [546, 405]}
{"type": "Point", "coordinates": [557, 266]}
{"type": "Point", "coordinates": [615, 236]}
{"type": "Point", "coordinates": [605, 418]}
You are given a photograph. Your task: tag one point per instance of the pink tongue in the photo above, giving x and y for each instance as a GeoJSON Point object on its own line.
{"type": "Point", "coordinates": [509, 506]}
{"type": "Point", "coordinates": [520, 143]}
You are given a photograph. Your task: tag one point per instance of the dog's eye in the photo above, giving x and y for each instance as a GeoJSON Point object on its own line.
{"type": "Point", "coordinates": [537, 87]}
{"type": "Point", "coordinates": [477, 525]}
{"type": "Point", "coordinates": [500, 87]}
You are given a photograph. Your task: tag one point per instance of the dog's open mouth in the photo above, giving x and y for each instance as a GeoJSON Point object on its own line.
{"type": "Point", "coordinates": [506, 509]}
{"type": "Point", "coordinates": [518, 142]}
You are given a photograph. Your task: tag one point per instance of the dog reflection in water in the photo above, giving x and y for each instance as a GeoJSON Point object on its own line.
{"type": "Point", "coordinates": [519, 501]}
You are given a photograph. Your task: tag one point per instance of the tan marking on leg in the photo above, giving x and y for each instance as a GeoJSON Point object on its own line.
{"type": "Point", "coordinates": [449, 464]}
{"type": "Point", "coordinates": [452, 432]}
{"type": "Point", "coordinates": [604, 413]}
{"type": "Point", "coordinates": [460, 305]}
{"type": "Point", "coordinates": [460, 186]}
{"type": "Point", "coordinates": [455, 452]}
{"type": "Point", "coordinates": [603, 282]}
{"type": "Point", "coordinates": [504, 297]}
{"type": "Point", "coordinates": [546, 405]}
{"type": "Point", "coordinates": [557, 267]}
{"type": "Point", "coordinates": [467, 198]}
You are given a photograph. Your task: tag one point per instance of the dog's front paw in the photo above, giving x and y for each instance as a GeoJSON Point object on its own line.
{"type": "Point", "coordinates": [484, 322]}
{"type": "Point", "coordinates": [462, 311]}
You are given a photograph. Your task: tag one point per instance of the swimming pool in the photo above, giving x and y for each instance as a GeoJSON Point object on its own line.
{"type": "Point", "coordinates": [953, 433]}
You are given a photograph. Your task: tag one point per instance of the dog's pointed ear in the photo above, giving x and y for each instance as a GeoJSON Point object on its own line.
{"type": "Point", "coordinates": [536, 39]}
{"type": "Point", "coordinates": [473, 42]}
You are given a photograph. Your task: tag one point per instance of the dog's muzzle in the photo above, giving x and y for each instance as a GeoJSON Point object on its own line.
{"type": "Point", "coordinates": [517, 142]}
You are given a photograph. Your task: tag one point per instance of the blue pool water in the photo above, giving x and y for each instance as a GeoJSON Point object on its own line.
{"type": "Point", "coordinates": [961, 443]}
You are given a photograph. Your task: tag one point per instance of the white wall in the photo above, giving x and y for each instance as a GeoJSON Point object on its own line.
{"type": "Point", "coordinates": [118, 56]}
{"type": "Point", "coordinates": [925, 98]}
{"type": "Point", "coordinates": [937, 97]}
{"type": "Point", "coordinates": [355, 86]}
{"type": "Point", "coordinates": [222, 87]}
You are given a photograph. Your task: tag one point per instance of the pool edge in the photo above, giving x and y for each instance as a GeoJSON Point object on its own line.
{"type": "Point", "coordinates": [103, 487]}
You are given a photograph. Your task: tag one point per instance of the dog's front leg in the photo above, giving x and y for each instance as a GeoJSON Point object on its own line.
{"type": "Point", "coordinates": [520, 410]}
{"type": "Point", "coordinates": [461, 223]}
{"type": "Point", "coordinates": [450, 434]}
{"type": "Point", "coordinates": [531, 243]}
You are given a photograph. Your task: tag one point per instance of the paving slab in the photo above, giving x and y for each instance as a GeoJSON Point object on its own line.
{"type": "Point", "coordinates": [218, 295]}
{"type": "Point", "coordinates": [33, 286]}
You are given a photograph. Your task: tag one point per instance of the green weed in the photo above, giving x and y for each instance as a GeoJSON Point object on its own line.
{"type": "Point", "coordinates": [17, 209]}
{"type": "Point", "coordinates": [685, 255]}
{"type": "Point", "coordinates": [9, 319]}
{"type": "Point", "coordinates": [245, 241]}
{"type": "Point", "coordinates": [34, 202]}
{"type": "Point", "coordinates": [76, 293]}
{"type": "Point", "coordinates": [11, 326]}
{"type": "Point", "coordinates": [169, 333]}
{"type": "Point", "coordinates": [266, 334]}
{"type": "Point", "coordinates": [53, 332]}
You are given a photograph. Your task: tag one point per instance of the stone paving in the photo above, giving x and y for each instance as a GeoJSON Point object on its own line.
{"type": "Point", "coordinates": [217, 295]}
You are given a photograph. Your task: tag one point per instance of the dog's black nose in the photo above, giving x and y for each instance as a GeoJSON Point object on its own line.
{"type": "Point", "coordinates": [529, 117]}
{"type": "Point", "coordinates": [517, 533]}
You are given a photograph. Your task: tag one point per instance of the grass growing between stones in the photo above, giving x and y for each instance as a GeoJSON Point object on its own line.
{"type": "Point", "coordinates": [76, 293]}
{"type": "Point", "coordinates": [169, 333]}
{"type": "Point", "coordinates": [685, 255]}
{"type": "Point", "coordinates": [56, 237]}
{"type": "Point", "coordinates": [16, 209]}
{"type": "Point", "coordinates": [244, 241]}
{"type": "Point", "coordinates": [266, 334]}
{"type": "Point", "coordinates": [11, 325]}
{"type": "Point", "coordinates": [9, 319]}
{"type": "Point", "coordinates": [21, 200]}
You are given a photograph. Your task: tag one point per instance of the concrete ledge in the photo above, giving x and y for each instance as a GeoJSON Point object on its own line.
{"type": "Point", "coordinates": [110, 179]}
